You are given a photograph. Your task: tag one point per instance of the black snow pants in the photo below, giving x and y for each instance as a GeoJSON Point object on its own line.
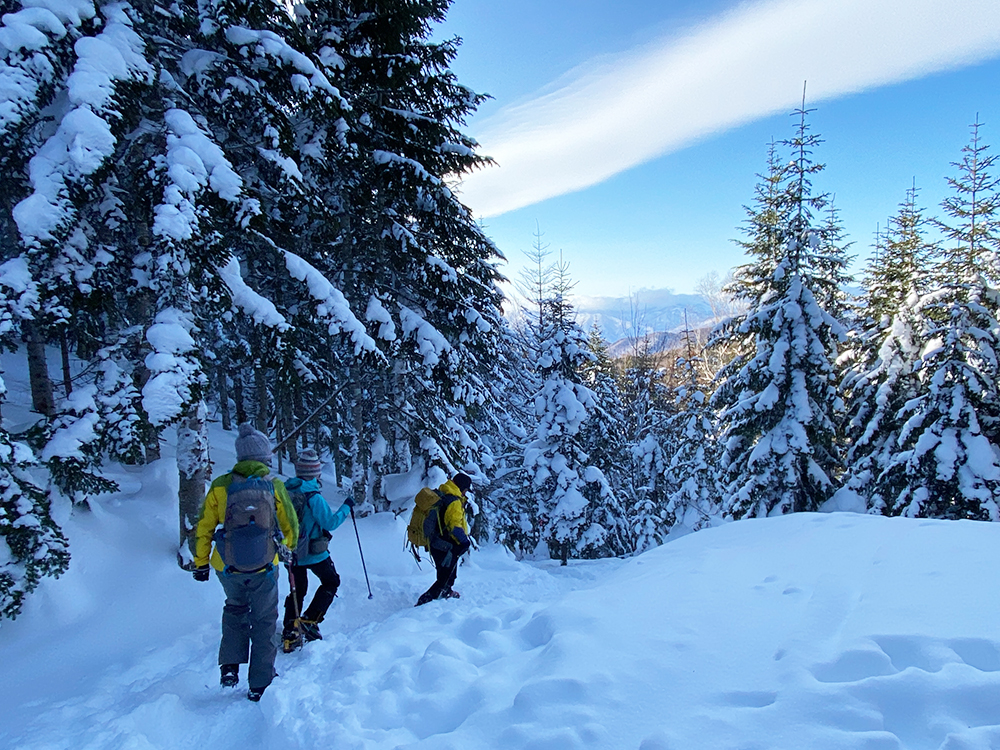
{"type": "Point", "coordinates": [329, 582]}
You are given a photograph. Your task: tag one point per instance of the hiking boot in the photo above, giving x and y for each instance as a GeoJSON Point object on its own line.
{"type": "Point", "coordinates": [424, 599]}
{"type": "Point", "coordinates": [254, 694]}
{"type": "Point", "coordinates": [449, 594]}
{"type": "Point", "coordinates": [230, 675]}
{"type": "Point", "coordinates": [291, 640]}
{"type": "Point", "coordinates": [310, 630]}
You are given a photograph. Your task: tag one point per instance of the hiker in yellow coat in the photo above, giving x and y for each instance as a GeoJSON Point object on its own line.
{"type": "Point", "coordinates": [448, 536]}
{"type": "Point", "coordinates": [240, 518]}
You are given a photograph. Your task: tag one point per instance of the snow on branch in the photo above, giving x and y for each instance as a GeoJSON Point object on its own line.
{"type": "Point", "coordinates": [431, 344]}
{"type": "Point", "coordinates": [194, 162]}
{"type": "Point", "coordinates": [173, 371]}
{"type": "Point", "coordinates": [19, 292]}
{"type": "Point", "coordinates": [387, 157]}
{"type": "Point", "coordinates": [261, 309]}
{"type": "Point", "coordinates": [271, 45]}
{"type": "Point", "coordinates": [332, 306]}
{"type": "Point", "coordinates": [84, 139]}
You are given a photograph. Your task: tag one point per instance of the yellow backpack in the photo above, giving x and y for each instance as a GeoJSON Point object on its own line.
{"type": "Point", "coordinates": [415, 533]}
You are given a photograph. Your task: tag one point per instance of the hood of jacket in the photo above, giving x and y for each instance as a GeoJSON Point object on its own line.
{"type": "Point", "coordinates": [305, 486]}
{"type": "Point", "coordinates": [250, 468]}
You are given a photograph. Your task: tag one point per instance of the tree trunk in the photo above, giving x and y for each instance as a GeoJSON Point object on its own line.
{"type": "Point", "coordinates": [359, 452]}
{"type": "Point", "coordinates": [42, 400]}
{"type": "Point", "coordinates": [227, 422]}
{"type": "Point", "coordinates": [241, 412]}
{"type": "Point", "coordinates": [260, 394]}
{"type": "Point", "coordinates": [338, 454]}
{"type": "Point", "coordinates": [193, 466]}
{"type": "Point", "coordinates": [64, 350]}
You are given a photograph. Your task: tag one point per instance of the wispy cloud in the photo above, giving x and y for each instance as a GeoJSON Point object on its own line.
{"type": "Point", "coordinates": [621, 111]}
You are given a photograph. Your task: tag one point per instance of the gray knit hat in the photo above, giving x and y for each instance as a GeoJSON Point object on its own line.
{"type": "Point", "coordinates": [307, 465]}
{"type": "Point", "coordinates": [252, 445]}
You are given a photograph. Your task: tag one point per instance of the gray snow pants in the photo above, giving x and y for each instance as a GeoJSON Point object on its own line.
{"type": "Point", "coordinates": [249, 623]}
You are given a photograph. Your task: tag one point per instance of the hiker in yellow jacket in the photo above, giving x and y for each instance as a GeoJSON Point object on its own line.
{"type": "Point", "coordinates": [236, 535]}
{"type": "Point", "coordinates": [448, 537]}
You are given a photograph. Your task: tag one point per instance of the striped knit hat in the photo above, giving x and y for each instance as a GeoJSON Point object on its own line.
{"type": "Point", "coordinates": [307, 465]}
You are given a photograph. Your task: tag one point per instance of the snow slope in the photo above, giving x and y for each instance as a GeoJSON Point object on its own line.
{"type": "Point", "coordinates": [809, 631]}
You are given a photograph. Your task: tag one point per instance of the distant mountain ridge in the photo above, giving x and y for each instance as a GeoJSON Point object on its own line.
{"type": "Point", "coordinates": [657, 313]}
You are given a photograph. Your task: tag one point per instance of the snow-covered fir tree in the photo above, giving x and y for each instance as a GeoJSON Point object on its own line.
{"type": "Point", "coordinates": [603, 437]}
{"type": "Point", "coordinates": [577, 513]}
{"type": "Point", "coordinates": [778, 399]}
{"type": "Point", "coordinates": [31, 543]}
{"type": "Point", "coordinates": [411, 256]}
{"type": "Point", "coordinates": [945, 463]}
{"type": "Point", "coordinates": [885, 351]}
{"type": "Point", "coordinates": [647, 408]}
{"type": "Point", "coordinates": [694, 451]}
{"type": "Point", "coordinates": [191, 186]}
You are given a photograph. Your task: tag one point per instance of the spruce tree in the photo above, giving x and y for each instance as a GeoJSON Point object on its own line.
{"type": "Point", "coordinates": [945, 464]}
{"type": "Point", "coordinates": [778, 399]}
{"type": "Point", "coordinates": [694, 501]}
{"type": "Point", "coordinates": [32, 545]}
{"type": "Point", "coordinates": [577, 512]}
{"type": "Point", "coordinates": [411, 253]}
{"type": "Point", "coordinates": [647, 410]}
{"type": "Point", "coordinates": [886, 354]}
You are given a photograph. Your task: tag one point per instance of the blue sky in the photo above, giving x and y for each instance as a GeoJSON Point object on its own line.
{"type": "Point", "coordinates": [638, 126]}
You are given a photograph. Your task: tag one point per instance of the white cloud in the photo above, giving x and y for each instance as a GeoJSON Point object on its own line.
{"type": "Point", "coordinates": [746, 64]}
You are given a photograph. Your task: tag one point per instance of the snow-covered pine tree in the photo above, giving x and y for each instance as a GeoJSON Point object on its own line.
{"type": "Point", "coordinates": [604, 440]}
{"type": "Point", "coordinates": [694, 450]}
{"type": "Point", "coordinates": [31, 543]}
{"type": "Point", "coordinates": [647, 409]}
{"type": "Point", "coordinates": [512, 501]}
{"type": "Point", "coordinates": [70, 66]}
{"type": "Point", "coordinates": [577, 513]}
{"type": "Point", "coordinates": [945, 463]}
{"type": "Point", "coordinates": [778, 398]}
{"type": "Point", "coordinates": [885, 352]}
{"type": "Point", "coordinates": [412, 254]}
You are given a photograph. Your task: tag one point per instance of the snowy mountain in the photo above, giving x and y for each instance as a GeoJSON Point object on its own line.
{"type": "Point", "coordinates": [822, 631]}
{"type": "Point", "coordinates": [648, 311]}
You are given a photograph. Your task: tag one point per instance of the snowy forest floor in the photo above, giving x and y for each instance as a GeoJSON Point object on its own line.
{"type": "Point", "coordinates": [807, 631]}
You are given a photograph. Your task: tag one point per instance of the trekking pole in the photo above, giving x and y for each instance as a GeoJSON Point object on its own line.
{"type": "Point", "coordinates": [300, 638]}
{"type": "Point", "coordinates": [370, 596]}
{"type": "Point", "coordinates": [286, 557]}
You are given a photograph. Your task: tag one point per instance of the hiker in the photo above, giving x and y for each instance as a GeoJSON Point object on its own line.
{"type": "Point", "coordinates": [448, 537]}
{"type": "Point", "coordinates": [316, 522]}
{"type": "Point", "coordinates": [250, 507]}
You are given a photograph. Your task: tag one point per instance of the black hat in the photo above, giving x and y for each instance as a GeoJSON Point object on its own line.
{"type": "Point", "coordinates": [462, 481]}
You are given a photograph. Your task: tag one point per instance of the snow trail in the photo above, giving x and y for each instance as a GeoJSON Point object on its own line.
{"type": "Point", "coordinates": [826, 631]}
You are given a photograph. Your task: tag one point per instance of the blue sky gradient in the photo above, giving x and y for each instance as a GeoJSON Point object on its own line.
{"type": "Point", "coordinates": [671, 219]}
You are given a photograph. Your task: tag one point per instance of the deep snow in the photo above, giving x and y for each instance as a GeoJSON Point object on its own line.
{"type": "Point", "coordinates": [807, 631]}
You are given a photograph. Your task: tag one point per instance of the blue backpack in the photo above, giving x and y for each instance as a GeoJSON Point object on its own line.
{"type": "Point", "coordinates": [246, 542]}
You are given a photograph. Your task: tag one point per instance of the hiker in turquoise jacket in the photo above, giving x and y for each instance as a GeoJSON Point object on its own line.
{"type": "Point", "coordinates": [316, 524]}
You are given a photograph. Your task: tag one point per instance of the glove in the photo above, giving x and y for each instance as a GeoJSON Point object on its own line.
{"type": "Point", "coordinates": [462, 539]}
{"type": "Point", "coordinates": [201, 574]}
{"type": "Point", "coordinates": [285, 555]}
{"type": "Point", "coordinates": [349, 503]}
